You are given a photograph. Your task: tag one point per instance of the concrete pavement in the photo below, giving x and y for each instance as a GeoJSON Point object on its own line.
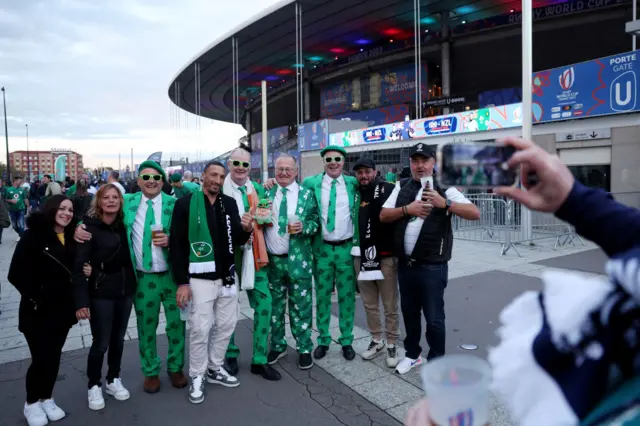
{"type": "Point", "coordinates": [481, 284]}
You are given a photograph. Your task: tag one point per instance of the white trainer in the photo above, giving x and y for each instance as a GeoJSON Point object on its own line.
{"type": "Point", "coordinates": [35, 415]}
{"type": "Point", "coordinates": [392, 356]}
{"type": "Point", "coordinates": [116, 390]}
{"type": "Point", "coordinates": [196, 390]}
{"type": "Point", "coordinates": [54, 413]}
{"type": "Point", "coordinates": [96, 400]}
{"type": "Point", "coordinates": [374, 349]}
{"type": "Point", "coordinates": [407, 364]}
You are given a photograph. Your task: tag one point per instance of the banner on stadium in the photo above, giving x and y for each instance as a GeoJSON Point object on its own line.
{"type": "Point", "coordinates": [336, 99]}
{"type": "Point", "coordinates": [156, 156]}
{"type": "Point", "coordinates": [377, 116]}
{"type": "Point", "coordinates": [588, 89]}
{"type": "Point", "coordinates": [312, 136]}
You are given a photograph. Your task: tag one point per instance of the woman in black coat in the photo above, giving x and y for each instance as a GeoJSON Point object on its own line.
{"type": "Point", "coordinates": [106, 297]}
{"type": "Point", "coordinates": [41, 270]}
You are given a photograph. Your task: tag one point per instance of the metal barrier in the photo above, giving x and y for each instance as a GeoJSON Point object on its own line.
{"type": "Point", "coordinates": [500, 222]}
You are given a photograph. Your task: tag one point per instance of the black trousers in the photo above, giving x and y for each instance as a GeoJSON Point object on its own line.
{"type": "Point", "coordinates": [45, 344]}
{"type": "Point", "coordinates": [109, 319]}
{"type": "Point", "coordinates": [422, 290]}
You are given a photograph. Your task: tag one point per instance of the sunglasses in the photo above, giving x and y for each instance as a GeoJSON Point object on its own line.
{"type": "Point", "coordinates": [237, 163]}
{"type": "Point", "coordinates": [154, 177]}
{"type": "Point", "coordinates": [336, 159]}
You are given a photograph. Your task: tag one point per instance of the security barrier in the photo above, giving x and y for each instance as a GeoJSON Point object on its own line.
{"type": "Point", "coordinates": [501, 222]}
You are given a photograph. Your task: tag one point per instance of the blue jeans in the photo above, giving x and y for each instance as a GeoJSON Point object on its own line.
{"type": "Point", "coordinates": [422, 289]}
{"type": "Point", "coordinates": [17, 220]}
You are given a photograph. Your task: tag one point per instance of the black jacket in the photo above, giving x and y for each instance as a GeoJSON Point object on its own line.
{"type": "Point", "coordinates": [41, 270]}
{"type": "Point", "coordinates": [107, 252]}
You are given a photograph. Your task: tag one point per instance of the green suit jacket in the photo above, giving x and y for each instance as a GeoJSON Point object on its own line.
{"type": "Point", "coordinates": [300, 245]}
{"type": "Point", "coordinates": [314, 183]}
{"type": "Point", "coordinates": [131, 204]}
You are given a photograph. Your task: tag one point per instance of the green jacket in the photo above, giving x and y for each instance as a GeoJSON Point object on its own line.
{"type": "Point", "coordinates": [300, 245]}
{"type": "Point", "coordinates": [131, 204]}
{"type": "Point", "coordinates": [314, 183]}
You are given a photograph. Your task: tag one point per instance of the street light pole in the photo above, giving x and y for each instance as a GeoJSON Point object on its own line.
{"type": "Point", "coordinates": [28, 155]}
{"type": "Point", "coordinates": [6, 135]}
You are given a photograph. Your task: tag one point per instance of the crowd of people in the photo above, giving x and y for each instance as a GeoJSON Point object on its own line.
{"type": "Point", "coordinates": [194, 251]}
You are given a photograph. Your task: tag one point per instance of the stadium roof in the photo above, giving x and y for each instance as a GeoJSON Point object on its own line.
{"type": "Point", "coordinates": [332, 29]}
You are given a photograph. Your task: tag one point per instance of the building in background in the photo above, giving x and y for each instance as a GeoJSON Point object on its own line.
{"type": "Point", "coordinates": [40, 163]}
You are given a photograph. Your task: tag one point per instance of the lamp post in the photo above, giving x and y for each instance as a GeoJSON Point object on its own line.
{"type": "Point", "coordinates": [6, 135]}
{"type": "Point", "coordinates": [26, 126]}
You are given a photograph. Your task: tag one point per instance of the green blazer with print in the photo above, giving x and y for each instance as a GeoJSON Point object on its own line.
{"type": "Point", "coordinates": [314, 183]}
{"type": "Point", "coordinates": [300, 245]}
{"type": "Point", "coordinates": [131, 204]}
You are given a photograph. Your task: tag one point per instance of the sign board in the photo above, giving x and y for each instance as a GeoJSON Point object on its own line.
{"type": "Point", "coordinates": [435, 102]}
{"type": "Point", "coordinates": [584, 135]}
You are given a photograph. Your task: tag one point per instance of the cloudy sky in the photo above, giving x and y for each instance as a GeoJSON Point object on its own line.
{"type": "Point", "coordinates": [93, 75]}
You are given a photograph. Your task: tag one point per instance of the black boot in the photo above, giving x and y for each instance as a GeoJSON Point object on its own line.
{"type": "Point", "coordinates": [231, 365]}
{"type": "Point", "coordinates": [266, 371]}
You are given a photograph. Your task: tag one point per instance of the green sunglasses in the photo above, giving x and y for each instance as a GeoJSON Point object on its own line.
{"type": "Point", "coordinates": [237, 163]}
{"type": "Point", "coordinates": [337, 159]}
{"type": "Point", "coordinates": [154, 177]}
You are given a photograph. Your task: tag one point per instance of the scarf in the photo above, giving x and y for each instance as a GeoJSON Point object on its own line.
{"type": "Point", "coordinates": [368, 221]}
{"type": "Point", "coordinates": [202, 254]}
{"type": "Point", "coordinates": [561, 348]}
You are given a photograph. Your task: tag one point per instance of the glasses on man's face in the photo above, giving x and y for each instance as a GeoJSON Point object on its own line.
{"type": "Point", "coordinates": [154, 177]}
{"type": "Point", "coordinates": [237, 163]}
{"type": "Point", "coordinates": [336, 159]}
{"type": "Point", "coordinates": [287, 170]}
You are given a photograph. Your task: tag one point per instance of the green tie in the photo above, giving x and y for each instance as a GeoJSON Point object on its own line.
{"type": "Point", "coordinates": [149, 219]}
{"type": "Point", "coordinates": [282, 216]}
{"type": "Point", "coordinates": [245, 199]}
{"type": "Point", "coordinates": [331, 214]}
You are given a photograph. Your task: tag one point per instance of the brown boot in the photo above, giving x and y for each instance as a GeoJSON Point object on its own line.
{"type": "Point", "coordinates": [178, 380]}
{"type": "Point", "coordinates": [151, 384]}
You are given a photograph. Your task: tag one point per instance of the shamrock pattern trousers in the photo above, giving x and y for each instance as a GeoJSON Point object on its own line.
{"type": "Point", "coordinates": [335, 264]}
{"type": "Point", "coordinates": [153, 290]}
{"type": "Point", "coordinates": [298, 293]}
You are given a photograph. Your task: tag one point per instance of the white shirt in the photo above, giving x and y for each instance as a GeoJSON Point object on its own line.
{"type": "Point", "coordinates": [159, 263]}
{"type": "Point", "coordinates": [236, 194]}
{"type": "Point", "coordinates": [119, 186]}
{"type": "Point", "coordinates": [413, 228]}
{"type": "Point", "coordinates": [343, 229]}
{"type": "Point", "coordinates": [277, 244]}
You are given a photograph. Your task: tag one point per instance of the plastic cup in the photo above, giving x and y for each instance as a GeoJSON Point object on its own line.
{"type": "Point", "coordinates": [155, 230]}
{"type": "Point", "coordinates": [457, 387]}
{"type": "Point", "coordinates": [292, 220]}
{"type": "Point", "coordinates": [185, 311]}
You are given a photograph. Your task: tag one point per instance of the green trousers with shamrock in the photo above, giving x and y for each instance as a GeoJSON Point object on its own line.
{"type": "Point", "coordinates": [335, 264]}
{"type": "Point", "coordinates": [298, 293]}
{"type": "Point", "coordinates": [153, 290]}
{"type": "Point", "coordinates": [260, 302]}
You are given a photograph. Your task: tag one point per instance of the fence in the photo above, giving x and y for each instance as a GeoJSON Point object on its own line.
{"type": "Point", "coordinates": [501, 222]}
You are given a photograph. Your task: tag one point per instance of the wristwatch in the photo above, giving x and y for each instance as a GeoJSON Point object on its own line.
{"type": "Point", "coordinates": [447, 204]}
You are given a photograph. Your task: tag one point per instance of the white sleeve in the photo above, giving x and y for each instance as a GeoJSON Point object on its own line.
{"type": "Point", "coordinates": [456, 196]}
{"type": "Point", "coordinates": [391, 201]}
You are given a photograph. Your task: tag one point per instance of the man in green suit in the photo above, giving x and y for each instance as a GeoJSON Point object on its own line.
{"type": "Point", "coordinates": [289, 244]}
{"type": "Point", "coordinates": [144, 211]}
{"type": "Point", "coordinates": [338, 199]}
{"type": "Point", "coordinates": [238, 186]}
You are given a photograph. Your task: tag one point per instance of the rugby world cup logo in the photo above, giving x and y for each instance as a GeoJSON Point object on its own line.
{"type": "Point", "coordinates": [370, 253]}
{"type": "Point", "coordinates": [567, 78]}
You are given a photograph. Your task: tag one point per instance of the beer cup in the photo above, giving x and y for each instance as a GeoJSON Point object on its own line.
{"type": "Point", "coordinates": [155, 230]}
{"type": "Point", "coordinates": [292, 220]}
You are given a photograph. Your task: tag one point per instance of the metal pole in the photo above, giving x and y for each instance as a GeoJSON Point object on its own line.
{"type": "Point", "coordinates": [6, 135]}
{"type": "Point", "coordinates": [28, 155]}
{"type": "Point", "coordinates": [527, 114]}
{"type": "Point", "coordinates": [635, 17]}
{"type": "Point", "coordinates": [133, 173]}
{"type": "Point", "coordinates": [265, 162]}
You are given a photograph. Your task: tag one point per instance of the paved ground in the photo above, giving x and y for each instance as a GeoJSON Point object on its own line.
{"type": "Point", "coordinates": [335, 391]}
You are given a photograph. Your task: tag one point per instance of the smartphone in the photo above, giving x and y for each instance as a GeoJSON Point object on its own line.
{"type": "Point", "coordinates": [476, 165]}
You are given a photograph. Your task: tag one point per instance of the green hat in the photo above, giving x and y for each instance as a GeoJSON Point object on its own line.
{"type": "Point", "coordinates": [263, 204]}
{"type": "Point", "coordinates": [152, 165]}
{"type": "Point", "coordinates": [176, 177]}
{"type": "Point", "coordinates": [333, 148]}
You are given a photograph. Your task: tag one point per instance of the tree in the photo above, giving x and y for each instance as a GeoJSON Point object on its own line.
{"type": "Point", "coordinates": [3, 171]}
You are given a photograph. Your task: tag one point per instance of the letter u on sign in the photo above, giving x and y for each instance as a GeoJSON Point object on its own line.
{"type": "Point", "coordinates": [623, 92]}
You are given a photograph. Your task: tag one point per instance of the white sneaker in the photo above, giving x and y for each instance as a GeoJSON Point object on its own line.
{"type": "Point", "coordinates": [407, 364]}
{"type": "Point", "coordinates": [35, 415]}
{"type": "Point", "coordinates": [196, 390]}
{"type": "Point", "coordinates": [374, 349]}
{"type": "Point", "coordinates": [116, 390]}
{"type": "Point", "coordinates": [392, 356]}
{"type": "Point", "coordinates": [54, 413]}
{"type": "Point", "coordinates": [221, 377]}
{"type": "Point", "coordinates": [96, 400]}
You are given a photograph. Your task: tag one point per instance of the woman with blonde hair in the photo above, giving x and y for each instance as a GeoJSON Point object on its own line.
{"type": "Point", "coordinates": [106, 297]}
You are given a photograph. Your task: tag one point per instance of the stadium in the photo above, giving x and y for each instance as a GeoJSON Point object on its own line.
{"type": "Point", "coordinates": [372, 75]}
